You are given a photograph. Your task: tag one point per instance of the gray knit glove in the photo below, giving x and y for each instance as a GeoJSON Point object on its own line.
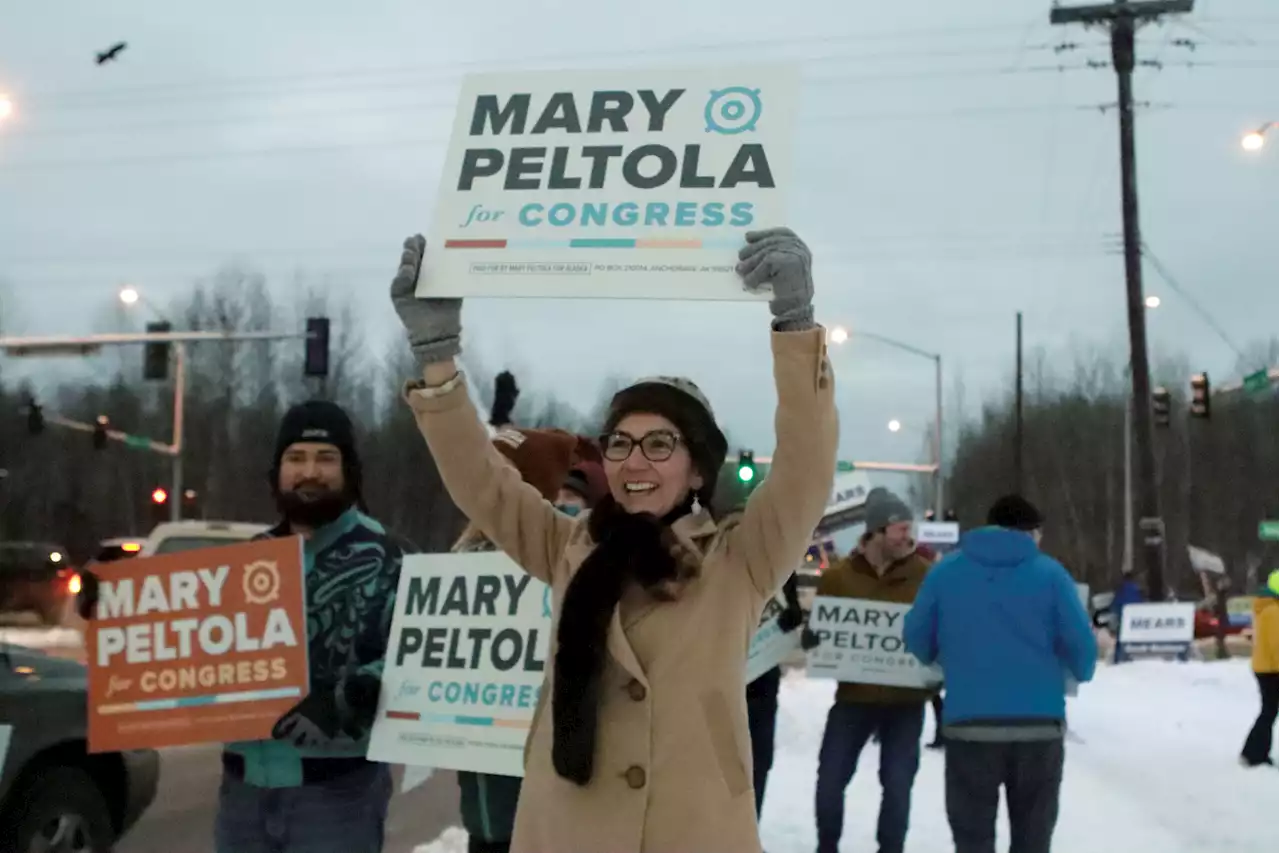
{"type": "Point", "coordinates": [434, 326]}
{"type": "Point", "coordinates": [779, 258]}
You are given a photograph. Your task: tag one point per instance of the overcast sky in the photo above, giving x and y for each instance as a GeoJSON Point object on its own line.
{"type": "Point", "coordinates": [948, 175]}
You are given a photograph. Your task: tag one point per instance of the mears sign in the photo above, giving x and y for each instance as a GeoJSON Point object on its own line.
{"type": "Point", "coordinates": [848, 491]}
{"type": "Point", "coordinates": [938, 532]}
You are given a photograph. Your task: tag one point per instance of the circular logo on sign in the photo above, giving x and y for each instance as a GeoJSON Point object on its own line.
{"type": "Point", "coordinates": [733, 110]}
{"type": "Point", "coordinates": [261, 582]}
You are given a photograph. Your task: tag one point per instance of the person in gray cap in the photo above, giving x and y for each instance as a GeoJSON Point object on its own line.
{"type": "Point", "coordinates": [884, 567]}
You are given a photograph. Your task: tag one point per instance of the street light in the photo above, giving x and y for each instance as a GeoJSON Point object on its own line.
{"type": "Point", "coordinates": [129, 295]}
{"type": "Point", "coordinates": [840, 334]}
{"type": "Point", "coordinates": [1152, 301]}
{"type": "Point", "coordinates": [6, 106]}
{"type": "Point", "coordinates": [895, 425]}
{"type": "Point", "coordinates": [1255, 139]}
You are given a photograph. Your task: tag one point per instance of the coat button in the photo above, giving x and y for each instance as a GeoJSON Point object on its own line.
{"type": "Point", "coordinates": [636, 691]}
{"type": "Point", "coordinates": [635, 777]}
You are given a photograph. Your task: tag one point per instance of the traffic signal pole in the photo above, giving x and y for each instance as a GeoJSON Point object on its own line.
{"type": "Point", "coordinates": [92, 344]}
{"type": "Point", "coordinates": [179, 406]}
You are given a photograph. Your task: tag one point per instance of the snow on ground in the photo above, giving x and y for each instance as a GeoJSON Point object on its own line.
{"type": "Point", "coordinates": [42, 638]}
{"type": "Point", "coordinates": [452, 840]}
{"type": "Point", "coordinates": [1151, 765]}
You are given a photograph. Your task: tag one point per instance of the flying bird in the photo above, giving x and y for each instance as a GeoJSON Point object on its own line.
{"type": "Point", "coordinates": [112, 52]}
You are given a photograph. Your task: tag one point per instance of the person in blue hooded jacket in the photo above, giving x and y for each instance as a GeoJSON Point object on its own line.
{"type": "Point", "coordinates": [1006, 624]}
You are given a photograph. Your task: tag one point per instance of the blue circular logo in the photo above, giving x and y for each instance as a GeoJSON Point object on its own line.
{"type": "Point", "coordinates": [733, 110]}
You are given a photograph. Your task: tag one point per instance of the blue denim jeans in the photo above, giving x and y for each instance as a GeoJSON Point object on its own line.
{"type": "Point", "coordinates": [849, 727]}
{"type": "Point", "coordinates": [347, 814]}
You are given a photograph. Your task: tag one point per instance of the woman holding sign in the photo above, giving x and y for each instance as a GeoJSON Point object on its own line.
{"type": "Point", "coordinates": [639, 743]}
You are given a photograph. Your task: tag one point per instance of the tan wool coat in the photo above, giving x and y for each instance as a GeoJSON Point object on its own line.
{"type": "Point", "coordinates": [673, 755]}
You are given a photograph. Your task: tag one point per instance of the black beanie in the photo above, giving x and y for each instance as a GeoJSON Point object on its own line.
{"type": "Point", "coordinates": [681, 402]}
{"type": "Point", "coordinates": [1016, 513]}
{"type": "Point", "coordinates": [322, 422]}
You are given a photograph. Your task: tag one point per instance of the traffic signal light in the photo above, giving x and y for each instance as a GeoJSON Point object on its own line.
{"type": "Point", "coordinates": [1160, 405]}
{"type": "Point", "coordinates": [35, 418]}
{"type": "Point", "coordinates": [155, 360]}
{"type": "Point", "coordinates": [928, 515]}
{"type": "Point", "coordinates": [950, 515]}
{"type": "Point", "coordinates": [317, 351]}
{"type": "Point", "coordinates": [159, 496]}
{"type": "Point", "coordinates": [1200, 396]}
{"type": "Point", "coordinates": [100, 432]}
{"type": "Point", "coordinates": [746, 466]}
{"type": "Point", "coordinates": [190, 504]}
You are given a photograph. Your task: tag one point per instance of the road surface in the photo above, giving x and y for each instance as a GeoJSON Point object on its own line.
{"type": "Point", "coordinates": [181, 819]}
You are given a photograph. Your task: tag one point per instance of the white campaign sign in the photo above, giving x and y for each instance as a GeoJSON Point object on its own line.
{"type": "Point", "coordinates": [861, 642]}
{"type": "Point", "coordinates": [770, 646]}
{"type": "Point", "coordinates": [1158, 623]}
{"type": "Point", "coordinates": [465, 663]}
{"type": "Point", "coordinates": [938, 532]}
{"type": "Point", "coordinates": [848, 490]}
{"type": "Point", "coordinates": [624, 184]}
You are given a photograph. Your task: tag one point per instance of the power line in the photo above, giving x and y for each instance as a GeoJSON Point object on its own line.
{"type": "Point", "coordinates": [282, 117]}
{"type": "Point", "coordinates": [1195, 306]}
{"type": "Point", "coordinates": [451, 68]}
{"type": "Point", "coordinates": [108, 100]}
{"type": "Point", "coordinates": [440, 139]}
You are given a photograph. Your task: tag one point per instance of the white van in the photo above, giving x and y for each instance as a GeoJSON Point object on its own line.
{"type": "Point", "coordinates": [174, 536]}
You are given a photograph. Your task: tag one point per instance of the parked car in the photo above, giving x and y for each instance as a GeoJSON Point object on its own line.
{"type": "Point", "coordinates": [37, 577]}
{"type": "Point", "coordinates": [54, 795]}
{"type": "Point", "coordinates": [174, 536]}
{"type": "Point", "coordinates": [121, 548]}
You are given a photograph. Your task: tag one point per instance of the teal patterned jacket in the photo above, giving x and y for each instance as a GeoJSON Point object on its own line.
{"type": "Point", "coordinates": [352, 570]}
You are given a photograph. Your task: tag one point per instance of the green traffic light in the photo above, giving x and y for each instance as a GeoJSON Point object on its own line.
{"type": "Point", "coordinates": [746, 473]}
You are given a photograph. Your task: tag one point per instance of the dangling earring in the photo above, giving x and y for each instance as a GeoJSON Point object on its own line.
{"type": "Point", "coordinates": [696, 507]}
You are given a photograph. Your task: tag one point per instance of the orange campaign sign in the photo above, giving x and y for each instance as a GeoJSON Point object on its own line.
{"type": "Point", "coordinates": [197, 647]}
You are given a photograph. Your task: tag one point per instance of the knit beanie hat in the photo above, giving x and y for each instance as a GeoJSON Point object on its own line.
{"type": "Point", "coordinates": [683, 403]}
{"type": "Point", "coordinates": [1016, 513]}
{"type": "Point", "coordinates": [884, 508]}
{"type": "Point", "coordinates": [320, 422]}
{"type": "Point", "coordinates": [587, 479]}
{"type": "Point", "coordinates": [544, 457]}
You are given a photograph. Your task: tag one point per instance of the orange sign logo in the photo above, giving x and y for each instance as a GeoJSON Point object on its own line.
{"type": "Point", "coordinates": [197, 647]}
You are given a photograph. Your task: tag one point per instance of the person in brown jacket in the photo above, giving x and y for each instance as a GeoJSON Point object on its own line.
{"type": "Point", "coordinates": [885, 567]}
{"type": "Point", "coordinates": [639, 741]}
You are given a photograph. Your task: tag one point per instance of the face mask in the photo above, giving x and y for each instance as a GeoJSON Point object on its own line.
{"type": "Point", "coordinates": [569, 509]}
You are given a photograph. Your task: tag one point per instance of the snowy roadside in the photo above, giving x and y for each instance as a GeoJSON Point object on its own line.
{"type": "Point", "coordinates": [1151, 765]}
{"type": "Point", "coordinates": [43, 638]}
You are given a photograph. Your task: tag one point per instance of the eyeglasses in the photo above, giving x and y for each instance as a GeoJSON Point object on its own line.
{"type": "Point", "coordinates": [657, 446]}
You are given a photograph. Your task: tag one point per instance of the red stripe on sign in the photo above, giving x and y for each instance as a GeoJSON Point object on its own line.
{"type": "Point", "coordinates": [475, 244]}
{"type": "Point", "coordinates": [403, 715]}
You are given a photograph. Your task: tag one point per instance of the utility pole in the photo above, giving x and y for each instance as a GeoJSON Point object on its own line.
{"type": "Point", "coordinates": [1017, 411]}
{"type": "Point", "coordinates": [1122, 19]}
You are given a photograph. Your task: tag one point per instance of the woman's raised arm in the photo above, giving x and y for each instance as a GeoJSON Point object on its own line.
{"type": "Point", "coordinates": [778, 522]}
{"type": "Point", "coordinates": [489, 491]}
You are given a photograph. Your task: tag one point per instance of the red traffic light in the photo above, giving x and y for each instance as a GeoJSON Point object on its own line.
{"type": "Point", "coordinates": [159, 496]}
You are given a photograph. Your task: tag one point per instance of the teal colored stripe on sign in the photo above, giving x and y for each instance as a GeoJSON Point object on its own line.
{"type": "Point", "coordinates": [458, 720]}
{"type": "Point", "coordinates": [602, 243]}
